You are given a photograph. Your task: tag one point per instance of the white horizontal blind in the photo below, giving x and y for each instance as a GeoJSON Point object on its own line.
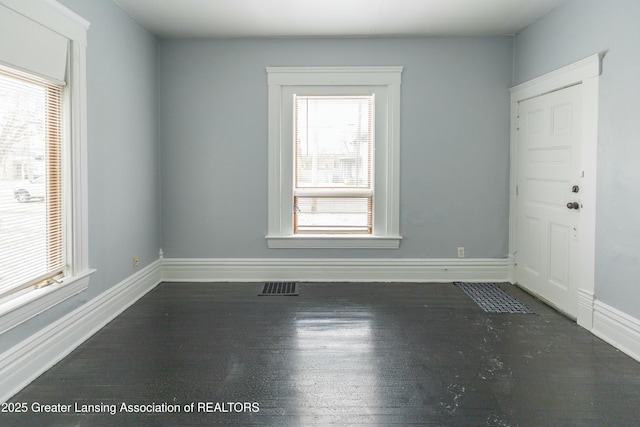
{"type": "Point", "coordinates": [31, 216]}
{"type": "Point", "coordinates": [333, 191]}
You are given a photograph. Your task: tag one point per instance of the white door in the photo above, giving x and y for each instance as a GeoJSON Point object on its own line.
{"type": "Point", "coordinates": [548, 197]}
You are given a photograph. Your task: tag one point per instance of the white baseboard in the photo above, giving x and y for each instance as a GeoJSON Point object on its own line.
{"type": "Point", "coordinates": [617, 328]}
{"type": "Point", "coordinates": [334, 270]}
{"type": "Point", "coordinates": [27, 360]}
{"type": "Point", "coordinates": [586, 300]}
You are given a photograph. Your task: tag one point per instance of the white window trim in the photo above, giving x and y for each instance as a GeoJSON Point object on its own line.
{"type": "Point", "coordinates": [18, 308]}
{"type": "Point", "coordinates": [386, 233]}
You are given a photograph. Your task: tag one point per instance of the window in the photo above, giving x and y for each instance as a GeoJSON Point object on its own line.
{"type": "Point", "coordinates": [31, 247]}
{"type": "Point", "coordinates": [334, 157]}
{"type": "Point", "coordinates": [333, 191]}
{"type": "Point", "coordinates": [43, 201]}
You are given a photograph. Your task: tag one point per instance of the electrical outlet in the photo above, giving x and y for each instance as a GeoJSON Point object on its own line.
{"type": "Point", "coordinates": [461, 252]}
{"type": "Point", "coordinates": [135, 262]}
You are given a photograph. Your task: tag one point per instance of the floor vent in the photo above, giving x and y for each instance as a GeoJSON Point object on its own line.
{"type": "Point", "coordinates": [492, 299]}
{"type": "Point", "coordinates": [280, 288]}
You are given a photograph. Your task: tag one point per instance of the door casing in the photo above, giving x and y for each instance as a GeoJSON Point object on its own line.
{"type": "Point", "coordinates": [584, 73]}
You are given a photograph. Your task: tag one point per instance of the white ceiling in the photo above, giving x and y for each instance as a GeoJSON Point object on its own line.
{"type": "Point", "coordinates": [335, 18]}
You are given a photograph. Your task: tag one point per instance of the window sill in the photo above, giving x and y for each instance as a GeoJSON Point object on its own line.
{"type": "Point", "coordinates": [312, 241]}
{"type": "Point", "coordinates": [24, 305]}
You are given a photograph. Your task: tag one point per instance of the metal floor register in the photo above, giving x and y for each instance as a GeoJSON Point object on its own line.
{"type": "Point", "coordinates": [492, 299]}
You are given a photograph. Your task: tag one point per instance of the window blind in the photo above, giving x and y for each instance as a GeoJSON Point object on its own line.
{"type": "Point", "coordinates": [29, 46]}
{"type": "Point", "coordinates": [31, 221]}
{"type": "Point", "coordinates": [333, 191]}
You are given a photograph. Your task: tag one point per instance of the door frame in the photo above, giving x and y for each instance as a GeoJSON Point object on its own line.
{"type": "Point", "coordinates": [584, 73]}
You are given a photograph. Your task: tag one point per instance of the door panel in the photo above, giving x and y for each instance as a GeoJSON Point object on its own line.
{"type": "Point", "coordinates": [548, 167]}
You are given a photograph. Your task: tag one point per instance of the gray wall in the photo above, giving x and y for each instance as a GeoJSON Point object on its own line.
{"type": "Point", "coordinates": [124, 208]}
{"type": "Point", "coordinates": [454, 142]}
{"type": "Point", "coordinates": [579, 29]}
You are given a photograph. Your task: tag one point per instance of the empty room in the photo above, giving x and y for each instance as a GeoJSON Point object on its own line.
{"type": "Point", "coordinates": [293, 213]}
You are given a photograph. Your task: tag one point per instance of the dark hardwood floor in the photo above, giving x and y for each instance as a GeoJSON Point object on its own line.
{"type": "Point", "coordinates": [337, 354]}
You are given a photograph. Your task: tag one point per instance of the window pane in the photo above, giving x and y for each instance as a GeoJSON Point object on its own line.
{"type": "Point", "coordinates": [333, 215]}
{"type": "Point", "coordinates": [31, 246]}
{"type": "Point", "coordinates": [334, 140]}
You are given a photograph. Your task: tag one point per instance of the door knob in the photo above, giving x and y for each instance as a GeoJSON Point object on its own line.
{"type": "Point", "coordinates": [575, 189]}
{"type": "Point", "coordinates": [573, 205]}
